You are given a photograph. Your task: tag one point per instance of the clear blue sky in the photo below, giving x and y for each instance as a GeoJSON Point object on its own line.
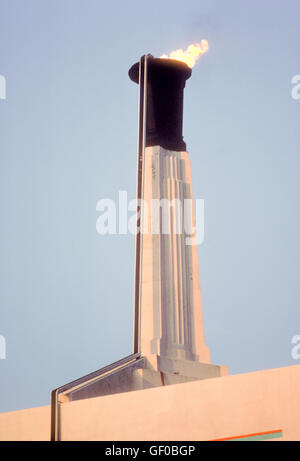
{"type": "Point", "coordinates": [68, 138]}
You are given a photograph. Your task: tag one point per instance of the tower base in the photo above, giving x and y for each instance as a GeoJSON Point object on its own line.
{"type": "Point", "coordinates": [146, 372]}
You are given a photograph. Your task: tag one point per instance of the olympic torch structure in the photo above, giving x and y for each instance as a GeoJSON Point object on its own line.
{"type": "Point", "coordinates": [168, 326]}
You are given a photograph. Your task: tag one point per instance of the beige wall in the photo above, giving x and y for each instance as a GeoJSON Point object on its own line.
{"type": "Point", "coordinates": [201, 410]}
{"type": "Point", "coordinates": [31, 424]}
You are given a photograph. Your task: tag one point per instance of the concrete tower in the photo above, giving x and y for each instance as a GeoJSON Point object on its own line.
{"type": "Point", "coordinates": [169, 328]}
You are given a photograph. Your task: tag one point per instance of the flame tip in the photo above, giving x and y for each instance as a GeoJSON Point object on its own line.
{"type": "Point", "coordinates": [190, 55]}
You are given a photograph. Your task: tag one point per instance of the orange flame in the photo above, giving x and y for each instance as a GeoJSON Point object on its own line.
{"type": "Point", "coordinates": [191, 55]}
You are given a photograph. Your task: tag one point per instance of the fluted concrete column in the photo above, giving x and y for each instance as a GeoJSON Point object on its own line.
{"type": "Point", "coordinates": [170, 300]}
